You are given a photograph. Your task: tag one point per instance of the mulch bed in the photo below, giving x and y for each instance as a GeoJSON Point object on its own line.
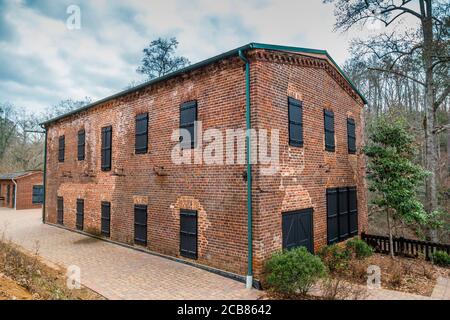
{"type": "Point", "coordinates": [415, 276]}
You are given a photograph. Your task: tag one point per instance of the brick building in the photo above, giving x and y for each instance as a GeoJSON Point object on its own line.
{"type": "Point", "coordinates": [110, 172]}
{"type": "Point", "coordinates": [22, 190]}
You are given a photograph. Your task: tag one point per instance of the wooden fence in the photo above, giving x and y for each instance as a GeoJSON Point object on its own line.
{"type": "Point", "coordinates": [405, 247]}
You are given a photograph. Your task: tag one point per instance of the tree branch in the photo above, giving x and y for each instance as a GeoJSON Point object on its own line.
{"type": "Point", "coordinates": [398, 73]}
{"type": "Point", "coordinates": [441, 129]}
{"type": "Point", "coordinates": [442, 98]}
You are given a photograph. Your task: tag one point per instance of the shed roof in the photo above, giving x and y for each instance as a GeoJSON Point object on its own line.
{"type": "Point", "coordinates": [16, 175]}
{"type": "Point", "coordinates": [203, 63]}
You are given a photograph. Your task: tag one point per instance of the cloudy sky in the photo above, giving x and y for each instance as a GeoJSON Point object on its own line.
{"type": "Point", "coordinates": [43, 62]}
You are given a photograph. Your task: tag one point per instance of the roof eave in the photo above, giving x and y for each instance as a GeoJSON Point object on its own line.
{"type": "Point", "coordinates": [202, 64]}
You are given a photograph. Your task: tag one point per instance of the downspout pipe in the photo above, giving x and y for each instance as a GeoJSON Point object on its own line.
{"type": "Point", "coordinates": [15, 193]}
{"type": "Point", "coordinates": [45, 175]}
{"type": "Point", "coordinates": [249, 278]}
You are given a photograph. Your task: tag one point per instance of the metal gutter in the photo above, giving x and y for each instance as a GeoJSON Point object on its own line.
{"type": "Point", "coordinates": [15, 193]}
{"type": "Point", "coordinates": [206, 62]}
{"type": "Point", "coordinates": [249, 279]}
{"type": "Point", "coordinates": [45, 176]}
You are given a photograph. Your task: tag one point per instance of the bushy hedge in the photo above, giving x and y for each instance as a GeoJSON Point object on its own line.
{"type": "Point", "coordinates": [441, 258]}
{"type": "Point", "coordinates": [359, 248]}
{"type": "Point", "coordinates": [335, 257]}
{"type": "Point", "coordinates": [294, 271]}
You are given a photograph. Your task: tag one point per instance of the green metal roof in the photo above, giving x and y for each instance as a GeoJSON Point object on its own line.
{"type": "Point", "coordinates": [203, 63]}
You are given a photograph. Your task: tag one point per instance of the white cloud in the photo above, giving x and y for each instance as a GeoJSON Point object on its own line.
{"type": "Point", "coordinates": [53, 63]}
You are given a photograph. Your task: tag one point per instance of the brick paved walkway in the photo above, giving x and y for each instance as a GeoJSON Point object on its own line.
{"type": "Point", "coordinates": [114, 271]}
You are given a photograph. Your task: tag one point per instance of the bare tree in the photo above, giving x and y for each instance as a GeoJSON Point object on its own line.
{"type": "Point", "coordinates": [7, 126]}
{"type": "Point", "coordinates": [428, 45]}
{"type": "Point", "coordinates": [160, 59]}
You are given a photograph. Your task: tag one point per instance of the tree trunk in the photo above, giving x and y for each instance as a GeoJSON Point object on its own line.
{"type": "Point", "coordinates": [391, 240]}
{"type": "Point", "coordinates": [430, 117]}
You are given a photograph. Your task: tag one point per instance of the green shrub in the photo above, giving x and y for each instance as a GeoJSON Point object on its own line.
{"type": "Point", "coordinates": [335, 257]}
{"type": "Point", "coordinates": [359, 248]}
{"type": "Point", "coordinates": [294, 271]}
{"type": "Point", "coordinates": [441, 258]}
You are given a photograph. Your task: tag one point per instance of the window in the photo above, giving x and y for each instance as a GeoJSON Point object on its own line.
{"type": "Point", "coordinates": [351, 136]}
{"type": "Point", "coordinates": [8, 194]}
{"type": "Point", "coordinates": [106, 219]}
{"type": "Point", "coordinates": [295, 122]}
{"type": "Point", "coordinates": [80, 214]}
{"type": "Point", "coordinates": [60, 210]}
{"type": "Point", "coordinates": [81, 145]}
{"type": "Point", "coordinates": [61, 148]}
{"type": "Point", "coordinates": [38, 194]}
{"type": "Point", "coordinates": [329, 130]}
{"type": "Point", "coordinates": [188, 117]}
{"type": "Point", "coordinates": [188, 234]}
{"type": "Point", "coordinates": [140, 224]}
{"type": "Point", "coordinates": [106, 148]}
{"type": "Point", "coordinates": [141, 143]}
{"type": "Point", "coordinates": [342, 214]}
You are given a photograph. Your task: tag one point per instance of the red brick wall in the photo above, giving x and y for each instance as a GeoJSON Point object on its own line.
{"type": "Point", "coordinates": [305, 172]}
{"type": "Point", "coordinates": [4, 192]}
{"type": "Point", "coordinates": [217, 192]}
{"type": "Point", "coordinates": [25, 191]}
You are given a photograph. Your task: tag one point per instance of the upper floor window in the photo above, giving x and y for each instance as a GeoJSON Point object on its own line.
{"type": "Point", "coordinates": [188, 117]}
{"type": "Point", "coordinates": [61, 148]}
{"type": "Point", "coordinates": [106, 148]}
{"type": "Point", "coordinates": [295, 122]}
{"type": "Point", "coordinates": [351, 136]}
{"type": "Point", "coordinates": [141, 141]}
{"type": "Point", "coordinates": [81, 145]}
{"type": "Point", "coordinates": [329, 130]}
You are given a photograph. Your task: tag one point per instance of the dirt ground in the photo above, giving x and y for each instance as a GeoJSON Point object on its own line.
{"type": "Point", "coordinates": [25, 276]}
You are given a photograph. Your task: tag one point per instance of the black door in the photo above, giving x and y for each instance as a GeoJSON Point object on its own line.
{"type": "Point", "coordinates": [188, 234]}
{"type": "Point", "coordinates": [106, 219]}
{"type": "Point", "coordinates": [60, 210]}
{"type": "Point", "coordinates": [298, 229]}
{"type": "Point", "coordinates": [80, 214]}
{"type": "Point", "coordinates": [140, 225]}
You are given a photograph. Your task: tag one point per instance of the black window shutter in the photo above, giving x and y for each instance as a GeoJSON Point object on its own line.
{"type": "Point", "coordinates": [106, 219]}
{"type": "Point", "coordinates": [60, 210]}
{"type": "Point", "coordinates": [351, 136]}
{"type": "Point", "coordinates": [329, 130]}
{"type": "Point", "coordinates": [140, 224]}
{"type": "Point", "coordinates": [353, 211]}
{"type": "Point", "coordinates": [188, 117]}
{"type": "Point", "coordinates": [295, 122]}
{"type": "Point", "coordinates": [61, 148]}
{"type": "Point", "coordinates": [80, 214]}
{"type": "Point", "coordinates": [141, 140]}
{"type": "Point", "coordinates": [106, 148]}
{"type": "Point", "coordinates": [81, 145]}
{"type": "Point", "coordinates": [188, 234]}
{"type": "Point", "coordinates": [332, 216]}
